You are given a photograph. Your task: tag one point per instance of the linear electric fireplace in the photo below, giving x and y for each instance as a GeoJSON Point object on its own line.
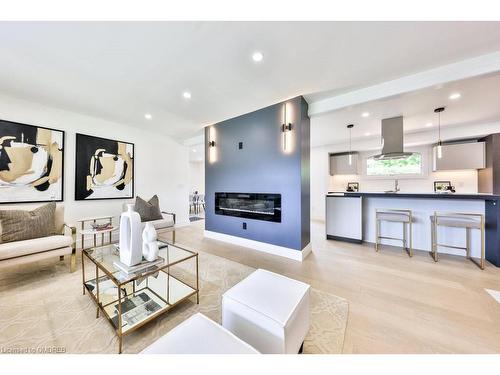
{"type": "Point", "coordinates": [258, 206]}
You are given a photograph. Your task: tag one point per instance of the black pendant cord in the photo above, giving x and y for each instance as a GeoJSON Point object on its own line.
{"type": "Point", "coordinates": [439, 127]}
{"type": "Point", "coordinates": [350, 126]}
{"type": "Point", "coordinates": [350, 141]}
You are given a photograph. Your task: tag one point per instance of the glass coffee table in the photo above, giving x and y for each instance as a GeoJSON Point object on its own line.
{"type": "Point", "coordinates": [130, 300]}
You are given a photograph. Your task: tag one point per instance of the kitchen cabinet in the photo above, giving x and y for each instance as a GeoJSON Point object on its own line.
{"type": "Point", "coordinates": [470, 155]}
{"type": "Point", "coordinates": [344, 218]}
{"type": "Point", "coordinates": [339, 164]}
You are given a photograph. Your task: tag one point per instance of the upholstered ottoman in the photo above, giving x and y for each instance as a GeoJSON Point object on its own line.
{"type": "Point", "coordinates": [199, 335]}
{"type": "Point", "coordinates": [268, 311]}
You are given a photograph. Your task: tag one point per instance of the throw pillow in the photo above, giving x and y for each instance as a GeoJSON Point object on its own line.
{"type": "Point", "coordinates": [149, 210]}
{"type": "Point", "coordinates": [19, 225]}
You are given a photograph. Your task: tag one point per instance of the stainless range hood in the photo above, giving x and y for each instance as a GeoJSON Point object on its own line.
{"type": "Point", "coordinates": [392, 139]}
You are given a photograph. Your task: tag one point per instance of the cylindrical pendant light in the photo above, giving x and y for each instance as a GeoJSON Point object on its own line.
{"type": "Point", "coordinates": [440, 143]}
{"type": "Point", "coordinates": [350, 126]}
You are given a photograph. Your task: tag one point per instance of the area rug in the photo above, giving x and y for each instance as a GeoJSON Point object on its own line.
{"type": "Point", "coordinates": [42, 309]}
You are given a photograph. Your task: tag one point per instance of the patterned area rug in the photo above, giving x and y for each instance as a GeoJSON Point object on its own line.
{"type": "Point", "coordinates": [42, 306]}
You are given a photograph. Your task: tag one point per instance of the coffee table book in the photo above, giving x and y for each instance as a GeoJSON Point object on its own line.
{"type": "Point", "coordinates": [138, 267]}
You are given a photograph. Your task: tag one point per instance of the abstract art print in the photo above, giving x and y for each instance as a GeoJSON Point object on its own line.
{"type": "Point", "coordinates": [31, 163]}
{"type": "Point", "coordinates": [104, 168]}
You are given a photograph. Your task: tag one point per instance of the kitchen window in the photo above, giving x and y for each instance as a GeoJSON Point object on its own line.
{"type": "Point", "coordinates": [411, 165]}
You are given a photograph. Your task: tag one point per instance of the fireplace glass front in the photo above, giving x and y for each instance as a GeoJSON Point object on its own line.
{"type": "Point", "coordinates": [258, 206]}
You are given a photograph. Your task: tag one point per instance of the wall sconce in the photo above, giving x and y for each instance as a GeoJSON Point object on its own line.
{"type": "Point", "coordinates": [212, 154]}
{"type": "Point", "coordinates": [286, 130]}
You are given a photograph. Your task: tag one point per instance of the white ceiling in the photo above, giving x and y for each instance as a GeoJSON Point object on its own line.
{"type": "Point", "coordinates": [479, 104]}
{"type": "Point", "coordinates": [120, 71]}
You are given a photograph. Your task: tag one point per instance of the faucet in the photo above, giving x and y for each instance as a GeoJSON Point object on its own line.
{"type": "Point", "coordinates": [396, 186]}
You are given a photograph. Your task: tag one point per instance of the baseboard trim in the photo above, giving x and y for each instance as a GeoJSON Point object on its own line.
{"type": "Point", "coordinates": [344, 239]}
{"type": "Point", "coordinates": [261, 246]}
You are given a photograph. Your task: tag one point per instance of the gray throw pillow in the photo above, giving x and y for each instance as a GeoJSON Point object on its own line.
{"type": "Point", "coordinates": [20, 225]}
{"type": "Point", "coordinates": [149, 210]}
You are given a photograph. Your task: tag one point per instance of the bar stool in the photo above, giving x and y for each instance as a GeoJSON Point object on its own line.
{"type": "Point", "coordinates": [457, 220]}
{"type": "Point", "coordinates": [395, 216]}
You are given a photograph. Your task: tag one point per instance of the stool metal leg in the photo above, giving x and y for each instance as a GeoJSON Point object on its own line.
{"type": "Point", "coordinates": [377, 232]}
{"type": "Point", "coordinates": [405, 242]}
{"type": "Point", "coordinates": [467, 242]}
{"type": "Point", "coordinates": [434, 254]}
{"type": "Point", "coordinates": [482, 243]}
{"type": "Point", "coordinates": [407, 246]}
{"type": "Point", "coordinates": [411, 243]}
{"type": "Point", "coordinates": [481, 262]}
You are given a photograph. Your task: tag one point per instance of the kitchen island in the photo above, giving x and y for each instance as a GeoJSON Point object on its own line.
{"type": "Point", "coordinates": [351, 217]}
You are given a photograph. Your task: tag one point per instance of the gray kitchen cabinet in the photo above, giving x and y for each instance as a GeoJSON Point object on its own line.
{"type": "Point", "coordinates": [470, 155]}
{"type": "Point", "coordinates": [339, 164]}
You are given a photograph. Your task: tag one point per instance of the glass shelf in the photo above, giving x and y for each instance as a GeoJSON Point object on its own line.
{"type": "Point", "coordinates": [148, 301]}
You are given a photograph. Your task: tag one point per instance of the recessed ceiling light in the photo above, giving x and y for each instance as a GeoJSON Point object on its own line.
{"type": "Point", "coordinates": [186, 95]}
{"type": "Point", "coordinates": [194, 150]}
{"type": "Point", "coordinates": [257, 56]}
{"type": "Point", "coordinates": [368, 134]}
{"type": "Point", "coordinates": [365, 114]}
{"type": "Point", "coordinates": [148, 116]}
{"type": "Point", "coordinates": [429, 124]}
{"type": "Point", "coordinates": [455, 95]}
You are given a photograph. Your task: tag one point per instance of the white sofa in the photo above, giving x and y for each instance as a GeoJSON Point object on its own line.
{"type": "Point", "coordinates": [199, 335]}
{"type": "Point", "coordinates": [165, 224]}
{"type": "Point", "coordinates": [19, 252]}
{"type": "Point", "coordinates": [268, 311]}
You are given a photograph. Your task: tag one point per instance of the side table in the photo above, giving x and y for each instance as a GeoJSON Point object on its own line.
{"type": "Point", "coordinates": [86, 230]}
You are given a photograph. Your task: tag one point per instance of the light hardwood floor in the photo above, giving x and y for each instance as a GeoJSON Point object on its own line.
{"type": "Point", "coordinates": [396, 304]}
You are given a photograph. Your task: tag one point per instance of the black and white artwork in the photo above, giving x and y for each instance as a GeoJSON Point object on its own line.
{"type": "Point", "coordinates": [104, 168]}
{"type": "Point", "coordinates": [31, 163]}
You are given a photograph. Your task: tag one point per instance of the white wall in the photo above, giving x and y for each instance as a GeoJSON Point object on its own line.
{"type": "Point", "coordinates": [197, 177]}
{"type": "Point", "coordinates": [161, 164]}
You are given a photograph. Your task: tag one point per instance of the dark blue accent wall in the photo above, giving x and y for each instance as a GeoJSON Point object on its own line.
{"type": "Point", "coordinates": [262, 166]}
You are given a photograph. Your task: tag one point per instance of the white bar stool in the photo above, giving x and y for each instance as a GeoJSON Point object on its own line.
{"type": "Point", "coordinates": [457, 220]}
{"type": "Point", "coordinates": [395, 216]}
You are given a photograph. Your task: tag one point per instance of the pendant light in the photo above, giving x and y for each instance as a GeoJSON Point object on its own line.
{"type": "Point", "coordinates": [440, 144]}
{"type": "Point", "coordinates": [350, 126]}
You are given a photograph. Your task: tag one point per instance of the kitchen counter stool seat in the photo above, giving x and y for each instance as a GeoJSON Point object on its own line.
{"type": "Point", "coordinates": [395, 216]}
{"type": "Point", "coordinates": [467, 221]}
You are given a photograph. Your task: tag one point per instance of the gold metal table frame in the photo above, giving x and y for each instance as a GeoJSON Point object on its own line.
{"type": "Point", "coordinates": [112, 288]}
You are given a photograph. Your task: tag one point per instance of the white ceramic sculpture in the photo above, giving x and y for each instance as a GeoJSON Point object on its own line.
{"type": "Point", "coordinates": [130, 237]}
{"type": "Point", "coordinates": [150, 247]}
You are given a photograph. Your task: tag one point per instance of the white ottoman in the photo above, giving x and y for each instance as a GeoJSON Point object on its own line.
{"type": "Point", "coordinates": [268, 311]}
{"type": "Point", "coordinates": [199, 335]}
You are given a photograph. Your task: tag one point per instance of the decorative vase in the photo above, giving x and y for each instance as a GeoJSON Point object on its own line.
{"type": "Point", "coordinates": [150, 247]}
{"type": "Point", "coordinates": [130, 237]}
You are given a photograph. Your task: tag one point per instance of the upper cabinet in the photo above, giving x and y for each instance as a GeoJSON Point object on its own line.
{"type": "Point", "coordinates": [470, 155]}
{"type": "Point", "coordinates": [339, 164]}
